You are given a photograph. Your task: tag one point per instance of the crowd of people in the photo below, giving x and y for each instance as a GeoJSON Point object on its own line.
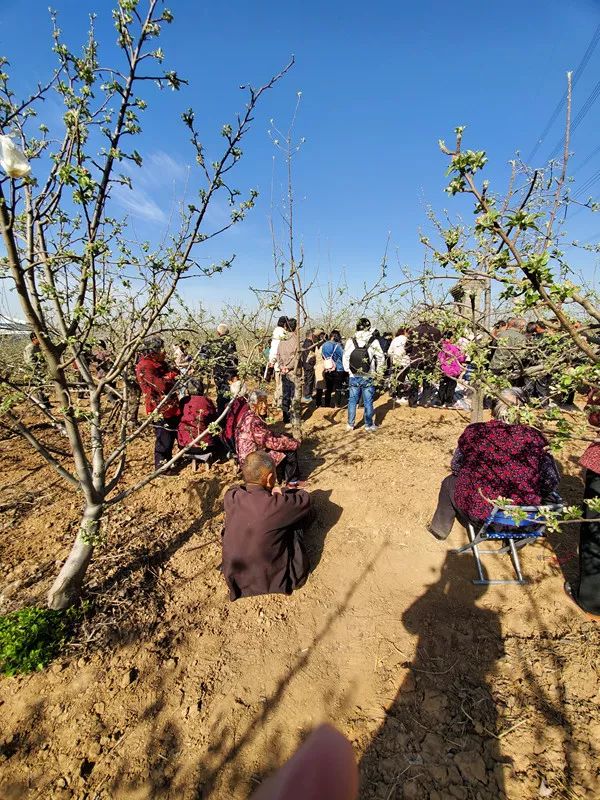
{"type": "Point", "coordinates": [265, 520]}
{"type": "Point", "coordinates": [263, 545]}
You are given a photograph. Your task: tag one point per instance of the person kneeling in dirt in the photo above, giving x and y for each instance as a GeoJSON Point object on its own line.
{"type": "Point", "coordinates": [263, 547]}
{"type": "Point", "coordinates": [494, 459]}
{"type": "Point", "coordinates": [252, 433]}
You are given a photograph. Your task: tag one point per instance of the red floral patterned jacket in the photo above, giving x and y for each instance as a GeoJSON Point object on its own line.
{"type": "Point", "coordinates": [496, 459]}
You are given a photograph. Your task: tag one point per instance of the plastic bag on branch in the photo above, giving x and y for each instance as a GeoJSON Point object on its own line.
{"type": "Point", "coordinates": [12, 160]}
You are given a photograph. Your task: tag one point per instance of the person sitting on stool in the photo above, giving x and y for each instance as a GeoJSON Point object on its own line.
{"type": "Point", "coordinates": [494, 459]}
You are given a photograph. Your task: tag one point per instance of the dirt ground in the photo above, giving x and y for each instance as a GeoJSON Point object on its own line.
{"type": "Point", "coordinates": [446, 689]}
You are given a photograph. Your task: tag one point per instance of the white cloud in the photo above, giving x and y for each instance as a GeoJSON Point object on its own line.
{"type": "Point", "coordinates": [139, 203]}
{"type": "Point", "coordinates": [157, 185]}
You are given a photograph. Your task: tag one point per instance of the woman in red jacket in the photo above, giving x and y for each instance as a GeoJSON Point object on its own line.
{"type": "Point", "coordinates": [156, 380]}
{"type": "Point", "coordinates": [197, 412]}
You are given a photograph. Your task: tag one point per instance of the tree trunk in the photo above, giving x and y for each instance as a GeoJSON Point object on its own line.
{"type": "Point", "coordinates": [477, 405]}
{"type": "Point", "coordinates": [67, 586]}
{"type": "Point", "coordinates": [132, 401]}
{"type": "Point", "coordinates": [296, 409]}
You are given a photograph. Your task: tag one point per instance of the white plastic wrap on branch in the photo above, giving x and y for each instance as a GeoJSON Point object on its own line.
{"type": "Point", "coordinates": [12, 160]}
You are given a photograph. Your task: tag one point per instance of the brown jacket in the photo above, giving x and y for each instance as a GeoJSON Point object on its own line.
{"type": "Point", "coordinates": [287, 353]}
{"type": "Point", "coordinates": [263, 548]}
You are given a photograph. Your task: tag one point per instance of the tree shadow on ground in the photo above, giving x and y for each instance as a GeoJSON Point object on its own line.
{"type": "Point", "coordinates": [382, 410]}
{"type": "Point", "coordinates": [439, 737]}
{"type": "Point", "coordinates": [230, 745]}
{"type": "Point", "coordinates": [327, 515]}
{"type": "Point", "coordinates": [140, 574]}
{"type": "Point", "coordinates": [565, 541]}
{"type": "Point", "coordinates": [164, 746]}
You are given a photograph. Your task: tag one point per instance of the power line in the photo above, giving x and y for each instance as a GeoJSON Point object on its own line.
{"type": "Point", "coordinates": [587, 160]}
{"type": "Point", "coordinates": [562, 102]}
{"type": "Point", "coordinates": [583, 112]}
{"type": "Point", "coordinates": [587, 185]}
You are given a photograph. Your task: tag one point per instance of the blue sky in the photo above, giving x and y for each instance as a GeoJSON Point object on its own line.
{"type": "Point", "coordinates": [380, 83]}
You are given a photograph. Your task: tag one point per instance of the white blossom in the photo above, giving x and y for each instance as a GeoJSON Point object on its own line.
{"type": "Point", "coordinates": [12, 160]}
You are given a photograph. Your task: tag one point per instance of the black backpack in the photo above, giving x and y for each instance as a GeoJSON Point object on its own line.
{"type": "Point", "coordinates": [360, 358]}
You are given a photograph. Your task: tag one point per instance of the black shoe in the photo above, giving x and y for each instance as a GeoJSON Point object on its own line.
{"type": "Point", "coordinates": [435, 534]}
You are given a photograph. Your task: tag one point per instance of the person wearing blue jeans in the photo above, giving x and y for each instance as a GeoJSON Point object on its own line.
{"type": "Point", "coordinates": [363, 359]}
{"type": "Point", "coordinates": [361, 387]}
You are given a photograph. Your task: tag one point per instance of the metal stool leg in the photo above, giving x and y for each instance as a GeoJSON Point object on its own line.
{"type": "Point", "coordinates": [514, 555]}
{"type": "Point", "coordinates": [471, 535]}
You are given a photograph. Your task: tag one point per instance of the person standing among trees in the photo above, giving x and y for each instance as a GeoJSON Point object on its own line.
{"type": "Point", "coordinates": [363, 359]}
{"type": "Point", "coordinates": [452, 364]}
{"type": "Point", "coordinates": [279, 333]}
{"type": "Point", "coordinates": [333, 369]}
{"type": "Point", "coordinates": [183, 359]}
{"type": "Point", "coordinates": [156, 380]}
{"type": "Point", "coordinates": [287, 359]}
{"type": "Point", "coordinates": [537, 379]}
{"type": "Point", "coordinates": [220, 355]}
{"type": "Point", "coordinates": [399, 365]}
{"type": "Point", "coordinates": [308, 361]}
{"type": "Point", "coordinates": [507, 361]}
{"type": "Point", "coordinates": [422, 349]}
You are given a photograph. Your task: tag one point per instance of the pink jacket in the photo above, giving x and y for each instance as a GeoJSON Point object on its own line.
{"type": "Point", "coordinates": [253, 434]}
{"type": "Point", "coordinates": [451, 359]}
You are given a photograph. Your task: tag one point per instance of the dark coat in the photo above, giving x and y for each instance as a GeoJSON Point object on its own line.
{"type": "Point", "coordinates": [263, 549]}
{"type": "Point", "coordinates": [422, 345]}
{"type": "Point", "coordinates": [220, 356]}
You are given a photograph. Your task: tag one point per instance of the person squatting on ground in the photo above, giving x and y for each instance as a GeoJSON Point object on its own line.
{"type": "Point", "coordinates": [494, 459]}
{"type": "Point", "coordinates": [422, 349]}
{"type": "Point", "coordinates": [197, 412]}
{"type": "Point", "coordinates": [586, 592]}
{"type": "Point", "coordinates": [452, 364]}
{"type": "Point", "coordinates": [288, 361]}
{"type": "Point", "coordinates": [252, 433]}
{"type": "Point", "coordinates": [363, 358]}
{"type": "Point", "coordinates": [156, 380]}
{"type": "Point", "coordinates": [262, 542]}
{"type": "Point", "coordinates": [334, 373]}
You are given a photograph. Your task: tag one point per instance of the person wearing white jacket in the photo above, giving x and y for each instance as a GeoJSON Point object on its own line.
{"type": "Point", "coordinates": [280, 332]}
{"type": "Point", "coordinates": [400, 364]}
{"type": "Point", "coordinates": [363, 359]}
